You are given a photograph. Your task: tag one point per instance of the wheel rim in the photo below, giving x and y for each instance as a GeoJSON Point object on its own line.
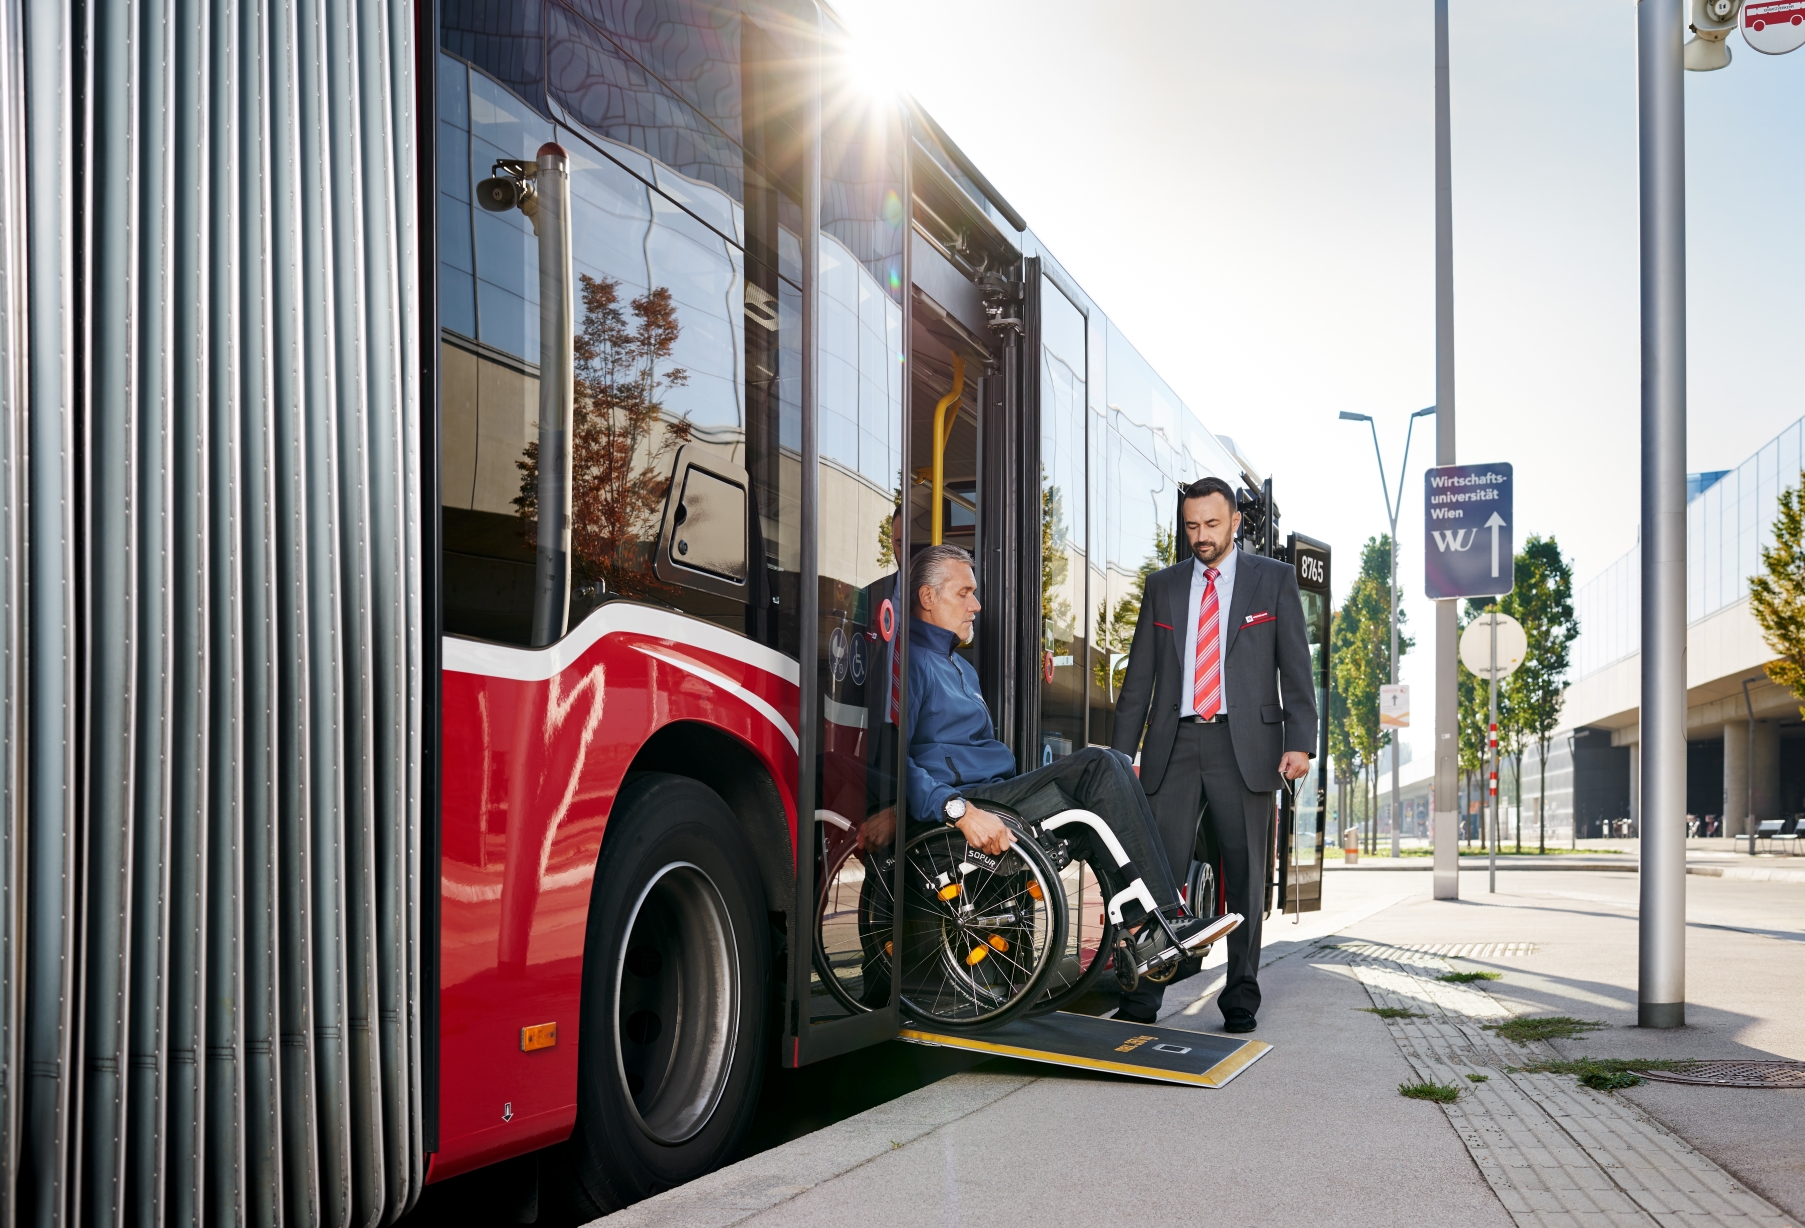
{"type": "Point", "coordinates": [677, 1003]}
{"type": "Point", "coordinates": [995, 909]}
{"type": "Point", "coordinates": [853, 928]}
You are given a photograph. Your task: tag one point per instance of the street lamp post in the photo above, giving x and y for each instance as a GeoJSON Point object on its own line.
{"type": "Point", "coordinates": [1392, 508]}
{"type": "Point", "coordinates": [1661, 139]}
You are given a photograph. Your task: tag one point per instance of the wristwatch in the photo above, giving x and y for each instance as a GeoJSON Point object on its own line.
{"type": "Point", "coordinates": [954, 809]}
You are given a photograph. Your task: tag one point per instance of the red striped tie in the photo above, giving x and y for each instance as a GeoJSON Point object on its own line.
{"type": "Point", "coordinates": [1206, 685]}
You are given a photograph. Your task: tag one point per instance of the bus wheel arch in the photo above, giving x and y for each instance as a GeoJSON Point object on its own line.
{"type": "Point", "coordinates": [742, 780]}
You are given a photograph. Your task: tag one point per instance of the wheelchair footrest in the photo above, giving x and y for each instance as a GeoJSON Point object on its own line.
{"type": "Point", "coordinates": [1142, 1050]}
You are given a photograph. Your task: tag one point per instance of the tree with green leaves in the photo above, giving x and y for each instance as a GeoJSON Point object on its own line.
{"type": "Point", "coordinates": [1473, 703]}
{"type": "Point", "coordinates": [1342, 752]}
{"type": "Point", "coordinates": [1542, 600]}
{"type": "Point", "coordinates": [1777, 594]}
{"type": "Point", "coordinates": [1360, 650]}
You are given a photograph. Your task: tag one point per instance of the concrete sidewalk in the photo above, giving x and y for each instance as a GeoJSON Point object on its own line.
{"type": "Point", "coordinates": [1316, 1132]}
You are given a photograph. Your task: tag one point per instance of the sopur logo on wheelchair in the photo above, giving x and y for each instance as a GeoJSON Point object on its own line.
{"type": "Point", "coordinates": [987, 939]}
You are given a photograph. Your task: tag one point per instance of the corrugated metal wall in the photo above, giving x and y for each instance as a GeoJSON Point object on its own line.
{"type": "Point", "coordinates": [210, 644]}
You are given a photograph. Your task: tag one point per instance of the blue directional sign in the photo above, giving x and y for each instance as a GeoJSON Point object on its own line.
{"type": "Point", "coordinates": [1468, 547]}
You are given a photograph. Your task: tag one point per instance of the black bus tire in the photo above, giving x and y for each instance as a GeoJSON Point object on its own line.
{"type": "Point", "coordinates": [665, 1091]}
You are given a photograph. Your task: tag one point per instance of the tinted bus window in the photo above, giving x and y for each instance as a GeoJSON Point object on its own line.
{"type": "Point", "coordinates": [686, 348]}
{"type": "Point", "coordinates": [863, 611]}
{"type": "Point", "coordinates": [1063, 604]}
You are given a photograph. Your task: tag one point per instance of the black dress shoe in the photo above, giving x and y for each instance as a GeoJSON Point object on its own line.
{"type": "Point", "coordinates": [1123, 1015]}
{"type": "Point", "coordinates": [1238, 1021]}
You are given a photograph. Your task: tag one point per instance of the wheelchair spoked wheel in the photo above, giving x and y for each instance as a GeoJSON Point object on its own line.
{"type": "Point", "coordinates": [854, 910]}
{"type": "Point", "coordinates": [1090, 937]}
{"type": "Point", "coordinates": [980, 934]}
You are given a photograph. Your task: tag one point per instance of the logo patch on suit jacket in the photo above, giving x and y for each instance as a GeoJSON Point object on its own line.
{"type": "Point", "coordinates": [1264, 616]}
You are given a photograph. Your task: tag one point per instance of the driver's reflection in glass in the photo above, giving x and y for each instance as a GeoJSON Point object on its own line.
{"type": "Point", "coordinates": [882, 605]}
{"type": "Point", "coordinates": [884, 601]}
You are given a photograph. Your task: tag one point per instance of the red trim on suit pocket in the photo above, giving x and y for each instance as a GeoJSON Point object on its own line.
{"type": "Point", "coordinates": [1167, 626]}
{"type": "Point", "coordinates": [1264, 616]}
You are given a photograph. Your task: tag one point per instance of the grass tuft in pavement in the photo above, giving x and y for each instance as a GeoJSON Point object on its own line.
{"type": "Point", "coordinates": [1477, 1078]}
{"type": "Point", "coordinates": [1441, 1093]}
{"type": "Point", "coordinates": [1610, 1080]}
{"type": "Point", "coordinates": [1392, 1012]}
{"type": "Point", "coordinates": [1542, 1027]}
{"type": "Point", "coordinates": [1608, 1074]}
{"type": "Point", "coordinates": [1467, 978]}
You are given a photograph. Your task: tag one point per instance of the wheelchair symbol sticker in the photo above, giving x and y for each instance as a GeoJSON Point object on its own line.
{"type": "Point", "coordinates": [858, 660]}
{"type": "Point", "coordinates": [1171, 1048]}
{"type": "Point", "coordinates": [838, 650]}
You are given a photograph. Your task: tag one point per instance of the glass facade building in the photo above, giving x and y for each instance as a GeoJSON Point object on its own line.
{"type": "Point", "coordinates": [1729, 520]}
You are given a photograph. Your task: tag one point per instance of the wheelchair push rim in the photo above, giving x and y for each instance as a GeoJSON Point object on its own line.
{"type": "Point", "coordinates": [980, 933]}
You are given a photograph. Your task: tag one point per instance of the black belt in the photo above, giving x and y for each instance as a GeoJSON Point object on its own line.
{"type": "Point", "coordinates": [1221, 718]}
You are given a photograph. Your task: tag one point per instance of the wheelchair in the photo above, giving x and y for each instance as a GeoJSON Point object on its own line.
{"type": "Point", "coordinates": [985, 939]}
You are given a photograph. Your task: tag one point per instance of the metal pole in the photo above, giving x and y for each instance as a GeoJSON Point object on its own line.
{"type": "Point", "coordinates": [1492, 745]}
{"type": "Point", "coordinates": [1394, 506]}
{"type": "Point", "coordinates": [557, 406]}
{"type": "Point", "coordinates": [1661, 115]}
{"type": "Point", "coordinates": [1447, 613]}
{"type": "Point", "coordinates": [1395, 747]}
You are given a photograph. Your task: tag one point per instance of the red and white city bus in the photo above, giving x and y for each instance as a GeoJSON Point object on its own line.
{"type": "Point", "coordinates": [455, 461]}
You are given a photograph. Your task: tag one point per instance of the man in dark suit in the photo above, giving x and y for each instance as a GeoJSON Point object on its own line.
{"type": "Point", "coordinates": [1219, 682]}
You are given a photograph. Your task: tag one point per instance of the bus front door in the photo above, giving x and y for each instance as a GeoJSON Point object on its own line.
{"type": "Point", "coordinates": [1301, 813]}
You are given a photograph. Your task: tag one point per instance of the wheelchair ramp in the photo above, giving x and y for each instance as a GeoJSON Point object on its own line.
{"type": "Point", "coordinates": [1143, 1050]}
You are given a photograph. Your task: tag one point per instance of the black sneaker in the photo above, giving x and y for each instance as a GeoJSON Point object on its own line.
{"type": "Point", "coordinates": [1155, 946]}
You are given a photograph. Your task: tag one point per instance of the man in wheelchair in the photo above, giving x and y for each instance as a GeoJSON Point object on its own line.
{"type": "Point", "coordinates": [960, 775]}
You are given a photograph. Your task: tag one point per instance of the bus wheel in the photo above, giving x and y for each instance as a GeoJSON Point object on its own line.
{"type": "Point", "coordinates": [676, 973]}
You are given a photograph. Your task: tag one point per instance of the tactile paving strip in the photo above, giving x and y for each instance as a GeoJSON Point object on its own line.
{"type": "Point", "coordinates": [1734, 1074]}
{"type": "Point", "coordinates": [1442, 950]}
{"type": "Point", "coordinates": [1557, 1154]}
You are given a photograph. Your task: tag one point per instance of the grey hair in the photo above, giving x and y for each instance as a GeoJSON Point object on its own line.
{"type": "Point", "coordinates": [929, 569]}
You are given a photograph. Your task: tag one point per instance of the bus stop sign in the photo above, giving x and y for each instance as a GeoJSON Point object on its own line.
{"type": "Point", "coordinates": [1774, 27]}
{"type": "Point", "coordinates": [1468, 546]}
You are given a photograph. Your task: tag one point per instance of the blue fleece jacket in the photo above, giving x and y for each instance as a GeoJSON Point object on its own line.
{"type": "Point", "coordinates": [952, 744]}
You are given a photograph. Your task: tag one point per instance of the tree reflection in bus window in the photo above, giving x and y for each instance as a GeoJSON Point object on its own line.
{"type": "Point", "coordinates": [661, 307]}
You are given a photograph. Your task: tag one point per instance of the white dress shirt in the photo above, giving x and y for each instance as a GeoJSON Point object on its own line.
{"type": "Point", "coordinates": [1225, 592]}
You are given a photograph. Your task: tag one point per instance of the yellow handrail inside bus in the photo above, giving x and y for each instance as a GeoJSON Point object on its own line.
{"type": "Point", "coordinates": [943, 431]}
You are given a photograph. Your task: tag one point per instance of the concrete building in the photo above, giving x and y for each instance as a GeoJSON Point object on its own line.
{"type": "Point", "coordinates": [1745, 738]}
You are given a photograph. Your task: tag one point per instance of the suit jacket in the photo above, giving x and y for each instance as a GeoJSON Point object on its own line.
{"type": "Point", "coordinates": [1270, 693]}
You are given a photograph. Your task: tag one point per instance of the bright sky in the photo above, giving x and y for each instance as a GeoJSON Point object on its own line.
{"type": "Point", "coordinates": [1247, 190]}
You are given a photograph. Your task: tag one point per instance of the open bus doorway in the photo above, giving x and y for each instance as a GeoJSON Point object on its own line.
{"type": "Point", "coordinates": [948, 372]}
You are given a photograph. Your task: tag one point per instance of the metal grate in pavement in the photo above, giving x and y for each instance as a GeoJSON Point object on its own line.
{"type": "Point", "coordinates": [1734, 1074]}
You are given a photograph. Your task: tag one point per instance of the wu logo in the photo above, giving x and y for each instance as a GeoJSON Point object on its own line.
{"type": "Point", "coordinates": [1454, 539]}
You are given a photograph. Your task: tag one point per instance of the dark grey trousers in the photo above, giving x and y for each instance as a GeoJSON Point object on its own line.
{"type": "Point", "coordinates": [1203, 767]}
{"type": "Point", "coordinates": [1100, 781]}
